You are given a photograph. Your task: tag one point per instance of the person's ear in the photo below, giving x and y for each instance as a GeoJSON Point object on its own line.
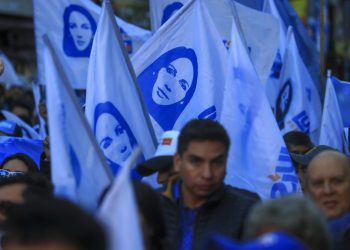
{"type": "Point", "coordinates": [177, 162]}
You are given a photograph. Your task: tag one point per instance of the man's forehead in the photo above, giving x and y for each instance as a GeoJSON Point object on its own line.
{"type": "Point", "coordinates": [331, 160]}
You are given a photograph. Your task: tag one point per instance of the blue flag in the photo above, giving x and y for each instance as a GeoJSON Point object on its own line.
{"type": "Point", "coordinates": [182, 75]}
{"type": "Point", "coordinates": [298, 104]}
{"type": "Point", "coordinates": [258, 158]}
{"type": "Point", "coordinates": [332, 128]}
{"type": "Point", "coordinates": [342, 90]}
{"type": "Point", "coordinates": [114, 105]}
{"type": "Point", "coordinates": [79, 171]}
{"type": "Point", "coordinates": [72, 25]}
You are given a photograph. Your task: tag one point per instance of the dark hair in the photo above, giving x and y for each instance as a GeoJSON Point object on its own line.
{"type": "Point", "coordinates": [25, 105]}
{"type": "Point", "coordinates": [53, 220]}
{"type": "Point", "coordinates": [37, 185]}
{"type": "Point", "coordinates": [150, 208]}
{"type": "Point", "coordinates": [29, 162]}
{"type": "Point", "coordinates": [297, 138]}
{"type": "Point", "coordinates": [202, 130]}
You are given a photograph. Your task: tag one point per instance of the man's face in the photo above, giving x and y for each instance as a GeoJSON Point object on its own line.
{"type": "Point", "coordinates": [202, 168]}
{"type": "Point", "coordinates": [12, 193]}
{"type": "Point", "coordinates": [328, 183]}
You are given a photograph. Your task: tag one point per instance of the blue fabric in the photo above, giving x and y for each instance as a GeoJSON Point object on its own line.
{"type": "Point", "coordinates": [343, 94]}
{"type": "Point", "coordinates": [255, 4]}
{"type": "Point", "coordinates": [13, 145]}
{"type": "Point", "coordinates": [270, 241]}
{"type": "Point", "coordinates": [339, 225]}
{"type": "Point", "coordinates": [7, 127]}
{"type": "Point", "coordinates": [187, 219]}
{"type": "Point", "coordinates": [306, 46]}
{"type": "Point", "coordinates": [187, 222]}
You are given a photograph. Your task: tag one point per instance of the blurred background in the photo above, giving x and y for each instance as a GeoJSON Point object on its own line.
{"type": "Point", "coordinates": [17, 30]}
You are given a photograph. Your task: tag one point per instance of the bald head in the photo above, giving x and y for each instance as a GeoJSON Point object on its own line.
{"type": "Point", "coordinates": [328, 182]}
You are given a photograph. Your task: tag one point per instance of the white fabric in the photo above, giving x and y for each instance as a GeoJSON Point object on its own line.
{"type": "Point", "coordinates": [113, 107]}
{"type": "Point", "coordinates": [258, 158]}
{"type": "Point", "coordinates": [78, 169]}
{"type": "Point", "coordinates": [120, 216]}
{"type": "Point", "coordinates": [298, 105]}
{"type": "Point", "coordinates": [332, 128]}
{"type": "Point", "coordinates": [181, 69]}
{"type": "Point", "coordinates": [49, 17]}
{"type": "Point", "coordinates": [260, 30]}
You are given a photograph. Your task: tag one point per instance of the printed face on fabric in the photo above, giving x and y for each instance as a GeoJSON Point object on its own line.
{"type": "Point", "coordinates": [170, 10]}
{"type": "Point", "coordinates": [202, 168]}
{"type": "Point", "coordinates": [79, 31]}
{"type": "Point", "coordinates": [168, 85]}
{"type": "Point", "coordinates": [171, 85]}
{"type": "Point", "coordinates": [328, 183]}
{"type": "Point", "coordinates": [113, 133]}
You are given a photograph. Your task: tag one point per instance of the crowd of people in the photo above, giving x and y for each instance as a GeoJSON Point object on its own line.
{"type": "Point", "coordinates": [194, 208]}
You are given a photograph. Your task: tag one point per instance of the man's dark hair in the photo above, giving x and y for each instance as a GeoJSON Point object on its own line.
{"type": "Point", "coordinates": [202, 130]}
{"type": "Point", "coordinates": [37, 185]}
{"type": "Point", "coordinates": [297, 138]}
{"type": "Point", "coordinates": [53, 221]}
{"type": "Point", "coordinates": [29, 162]}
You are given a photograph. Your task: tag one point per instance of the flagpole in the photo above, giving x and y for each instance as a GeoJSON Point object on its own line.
{"type": "Point", "coordinates": [132, 73]}
{"type": "Point", "coordinates": [322, 55]}
{"type": "Point", "coordinates": [68, 88]}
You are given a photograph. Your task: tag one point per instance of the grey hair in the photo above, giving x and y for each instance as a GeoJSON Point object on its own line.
{"type": "Point", "coordinates": [295, 215]}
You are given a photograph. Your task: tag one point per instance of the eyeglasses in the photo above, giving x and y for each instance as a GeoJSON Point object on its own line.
{"type": "Point", "coordinates": [5, 173]}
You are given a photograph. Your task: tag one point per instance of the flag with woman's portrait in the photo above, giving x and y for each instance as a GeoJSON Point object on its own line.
{"type": "Point", "coordinates": [114, 106]}
{"type": "Point", "coordinates": [181, 69]}
{"type": "Point", "coordinates": [72, 25]}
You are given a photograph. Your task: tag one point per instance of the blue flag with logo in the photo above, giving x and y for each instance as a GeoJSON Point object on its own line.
{"type": "Point", "coordinates": [260, 30]}
{"type": "Point", "coordinates": [114, 107]}
{"type": "Point", "coordinates": [79, 171]}
{"type": "Point", "coordinates": [181, 75]}
{"type": "Point", "coordinates": [258, 159]}
{"type": "Point", "coordinates": [72, 24]}
{"type": "Point", "coordinates": [332, 128]}
{"type": "Point", "coordinates": [298, 104]}
{"type": "Point", "coordinates": [342, 90]}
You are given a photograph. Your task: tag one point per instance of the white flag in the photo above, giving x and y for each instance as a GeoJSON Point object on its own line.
{"type": "Point", "coordinates": [27, 130]}
{"type": "Point", "coordinates": [113, 106]}
{"type": "Point", "coordinates": [9, 77]}
{"type": "Point", "coordinates": [332, 128]}
{"type": "Point", "coordinates": [79, 171]}
{"type": "Point", "coordinates": [298, 104]}
{"type": "Point", "coordinates": [181, 69]}
{"type": "Point", "coordinates": [258, 158]}
{"type": "Point", "coordinates": [72, 25]}
{"type": "Point", "coordinates": [259, 29]}
{"type": "Point", "coordinates": [119, 213]}
{"type": "Point", "coordinates": [37, 99]}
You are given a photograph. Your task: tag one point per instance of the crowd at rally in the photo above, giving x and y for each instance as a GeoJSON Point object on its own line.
{"type": "Point", "coordinates": [191, 206]}
{"type": "Point", "coordinates": [193, 209]}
